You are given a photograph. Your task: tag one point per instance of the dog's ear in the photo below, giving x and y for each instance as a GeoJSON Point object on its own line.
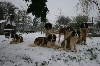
{"type": "Point", "coordinates": [73, 33]}
{"type": "Point", "coordinates": [72, 28]}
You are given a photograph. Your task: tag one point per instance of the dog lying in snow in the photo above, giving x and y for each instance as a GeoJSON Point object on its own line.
{"type": "Point", "coordinates": [17, 39]}
{"type": "Point", "coordinates": [70, 42]}
{"type": "Point", "coordinates": [48, 41]}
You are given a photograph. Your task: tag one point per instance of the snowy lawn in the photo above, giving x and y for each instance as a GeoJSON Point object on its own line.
{"type": "Point", "coordinates": [23, 55]}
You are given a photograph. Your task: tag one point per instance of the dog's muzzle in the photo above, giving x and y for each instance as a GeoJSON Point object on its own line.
{"type": "Point", "coordinates": [53, 40]}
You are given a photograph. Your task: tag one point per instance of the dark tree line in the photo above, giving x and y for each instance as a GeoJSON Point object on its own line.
{"type": "Point", "coordinates": [6, 8]}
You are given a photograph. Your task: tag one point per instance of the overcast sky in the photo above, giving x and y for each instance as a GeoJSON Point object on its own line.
{"type": "Point", "coordinates": [66, 7]}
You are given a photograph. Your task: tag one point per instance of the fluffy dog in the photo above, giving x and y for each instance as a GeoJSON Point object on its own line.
{"type": "Point", "coordinates": [70, 42]}
{"type": "Point", "coordinates": [48, 28]}
{"type": "Point", "coordinates": [17, 39]}
{"type": "Point", "coordinates": [48, 41]}
{"type": "Point", "coordinates": [83, 33]}
{"type": "Point", "coordinates": [40, 41]}
{"type": "Point", "coordinates": [65, 31]}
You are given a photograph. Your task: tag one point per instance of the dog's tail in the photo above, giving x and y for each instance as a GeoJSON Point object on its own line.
{"type": "Point", "coordinates": [32, 45]}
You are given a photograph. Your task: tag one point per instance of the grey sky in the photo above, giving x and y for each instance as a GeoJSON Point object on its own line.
{"type": "Point", "coordinates": [66, 7]}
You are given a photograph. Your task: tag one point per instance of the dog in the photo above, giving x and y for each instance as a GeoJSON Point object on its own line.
{"type": "Point", "coordinates": [71, 41]}
{"type": "Point", "coordinates": [17, 39]}
{"type": "Point", "coordinates": [40, 41]}
{"type": "Point", "coordinates": [83, 31]}
{"type": "Point", "coordinates": [65, 31]}
{"type": "Point", "coordinates": [48, 28]}
{"type": "Point", "coordinates": [48, 41]}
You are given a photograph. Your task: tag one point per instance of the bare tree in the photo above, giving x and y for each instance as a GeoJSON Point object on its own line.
{"type": "Point", "coordinates": [88, 5]}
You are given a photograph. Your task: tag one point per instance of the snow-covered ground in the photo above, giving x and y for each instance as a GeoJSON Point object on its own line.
{"type": "Point", "coordinates": [23, 55]}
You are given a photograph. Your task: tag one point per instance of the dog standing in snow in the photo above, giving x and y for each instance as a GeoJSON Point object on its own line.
{"type": "Point", "coordinates": [83, 31]}
{"type": "Point", "coordinates": [66, 31]}
{"type": "Point", "coordinates": [70, 42]}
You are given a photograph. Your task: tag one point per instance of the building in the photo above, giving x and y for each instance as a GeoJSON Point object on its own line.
{"type": "Point", "coordinates": [2, 25]}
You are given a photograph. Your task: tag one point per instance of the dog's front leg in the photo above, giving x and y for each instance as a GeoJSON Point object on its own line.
{"type": "Point", "coordinates": [65, 44]}
{"type": "Point", "coordinates": [59, 37]}
{"type": "Point", "coordinates": [72, 46]}
{"type": "Point", "coordinates": [75, 47]}
{"type": "Point", "coordinates": [85, 41]}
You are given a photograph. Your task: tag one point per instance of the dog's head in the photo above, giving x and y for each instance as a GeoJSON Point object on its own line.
{"type": "Point", "coordinates": [51, 37]}
{"type": "Point", "coordinates": [21, 39]}
{"type": "Point", "coordinates": [75, 33]}
{"type": "Point", "coordinates": [69, 28]}
{"type": "Point", "coordinates": [84, 25]}
{"type": "Point", "coordinates": [16, 36]}
{"type": "Point", "coordinates": [48, 26]}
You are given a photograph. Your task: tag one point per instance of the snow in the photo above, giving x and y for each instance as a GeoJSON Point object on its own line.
{"type": "Point", "coordinates": [23, 55]}
{"type": "Point", "coordinates": [8, 29]}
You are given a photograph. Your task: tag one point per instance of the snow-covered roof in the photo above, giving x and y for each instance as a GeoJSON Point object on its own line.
{"type": "Point", "coordinates": [1, 21]}
{"type": "Point", "coordinates": [8, 29]}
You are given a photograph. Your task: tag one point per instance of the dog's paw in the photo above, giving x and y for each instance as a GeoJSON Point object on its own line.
{"type": "Point", "coordinates": [73, 50]}
{"type": "Point", "coordinates": [58, 40]}
{"type": "Point", "coordinates": [60, 49]}
{"type": "Point", "coordinates": [85, 44]}
{"type": "Point", "coordinates": [30, 45]}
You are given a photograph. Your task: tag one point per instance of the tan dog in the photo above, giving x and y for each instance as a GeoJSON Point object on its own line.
{"type": "Point", "coordinates": [17, 39]}
{"type": "Point", "coordinates": [83, 33]}
{"type": "Point", "coordinates": [70, 42]}
{"type": "Point", "coordinates": [48, 41]}
{"type": "Point", "coordinates": [65, 31]}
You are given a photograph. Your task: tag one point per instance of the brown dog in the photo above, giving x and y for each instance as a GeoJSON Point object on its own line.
{"type": "Point", "coordinates": [83, 35]}
{"type": "Point", "coordinates": [48, 41]}
{"type": "Point", "coordinates": [40, 41]}
{"type": "Point", "coordinates": [65, 31]}
{"type": "Point", "coordinates": [17, 39]}
{"type": "Point", "coordinates": [83, 31]}
{"type": "Point", "coordinates": [70, 42]}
